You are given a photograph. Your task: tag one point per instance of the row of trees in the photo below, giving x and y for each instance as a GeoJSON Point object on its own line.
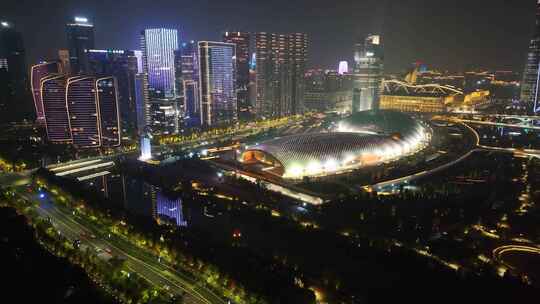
{"type": "Point", "coordinates": [218, 268]}
{"type": "Point", "coordinates": [111, 274]}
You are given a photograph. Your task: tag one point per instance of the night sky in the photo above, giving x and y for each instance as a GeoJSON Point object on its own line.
{"type": "Point", "coordinates": [445, 34]}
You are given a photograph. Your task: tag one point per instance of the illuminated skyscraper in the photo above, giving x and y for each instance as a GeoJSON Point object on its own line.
{"type": "Point", "coordinates": [368, 71]}
{"type": "Point", "coordinates": [122, 64]}
{"type": "Point", "coordinates": [13, 74]}
{"type": "Point", "coordinates": [142, 105]}
{"type": "Point", "coordinates": [80, 37]}
{"type": "Point", "coordinates": [37, 73]}
{"type": "Point", "coordinates": [158, 46]}
{"type": "Point", "coordinates": [189, 70]}
{"type": "Point", "coordinates": [53, 95]}
{"type": "Point", "coordinates": [280, 68]}
{"type": "Point", "coordinates": [107, 100]}
{"type": "Point", "coordinates": [531, 75]}
{"type": "Point", "coordinates": [241, 41]}
{"type": "Point", "coordinates": [217, 83]}
{"type": "Point", "coordinates": [83, 112]}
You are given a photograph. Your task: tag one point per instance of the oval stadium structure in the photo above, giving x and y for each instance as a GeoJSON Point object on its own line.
{"type": "Point", "coordinates": [362, 139]}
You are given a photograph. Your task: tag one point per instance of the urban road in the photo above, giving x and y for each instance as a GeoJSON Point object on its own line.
{"type": "Point", "coordinates": [138, 260]}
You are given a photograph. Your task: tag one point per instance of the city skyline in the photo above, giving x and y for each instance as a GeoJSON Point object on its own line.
{"type": "Point", "coordinates": [452, 44]}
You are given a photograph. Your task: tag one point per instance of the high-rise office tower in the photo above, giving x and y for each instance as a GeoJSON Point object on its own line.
{"type": "Point", "coordinates": [13, 74]}
{"type": "Point", "coordinates": [37, 73]}
{"type": "Point", "coordinates": [53, 95]}
{"type": "Point", "coordinates": [280, 68]}
{"type": "Point", "coordinates": [217, 83]}
{"type": "Point", "coordinates": [122, 64]}
{"type": "Point", "coordinates": [80, 37]}
{"type": "Point", "coordinates": [368, 71]}
{"type": "Point", "coordinates": [142, 105]}
{"type": "Point", "coordinates": [242, 41]}
{"type": "Point", "coordinates": [531, 75]}
{"type": "Point", "coordinates": [297, 60]}
{"type": "Point", "coordinates": [109, 110]}
{"type": "Point", "coordinates": [83, 111]}
{"type": "Point", "coordinates": [189, 70]}
{"type": "Point", "coordinates": [158, 46]}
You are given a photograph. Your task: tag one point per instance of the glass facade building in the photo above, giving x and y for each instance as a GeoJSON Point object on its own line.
{"type": "Point", "coordinates": [242, 42]}
{"type": "Point", "coordinates": [158, 47]}
{"type": "Point", "coordinates": [122, 64]}
{"type": "Point", "coordinates": [13, 74]}
{"type": "Point", "coordinates": [83, 112]}
{"type": "Point", "coordinates": [367, 73]}
{"type": "Point", "coordinates": [80, 37]}
{"type": "Point", "coordinates": [37, 73]}
{"type": "Point", "coordinates": [217, 83]}
{"type": "Point", "coordinates": [53, 95]}
{"type": "Point", "coordinates": [280, 68]}
{"type": "Point", "coordinates": [107, 100]}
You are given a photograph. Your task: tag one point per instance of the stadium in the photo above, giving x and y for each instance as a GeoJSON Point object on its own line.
{"type": "Point", "coordinates": [363, 139]}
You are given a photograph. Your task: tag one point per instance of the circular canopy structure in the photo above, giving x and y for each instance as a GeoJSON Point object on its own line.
{"type": "Point", "coordinates": [363, 139]}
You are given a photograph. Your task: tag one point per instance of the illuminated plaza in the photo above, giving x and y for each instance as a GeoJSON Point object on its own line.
{"type": "Point", "coordinates": [363, 139]}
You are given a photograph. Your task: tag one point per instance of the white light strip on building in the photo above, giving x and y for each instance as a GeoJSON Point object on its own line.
{"type": "Point", "coordinates": [107, 164]}
{"type": "Point", "coordinates": [102, 173]}
{"type": "Point", "coordinates": [76, 165]}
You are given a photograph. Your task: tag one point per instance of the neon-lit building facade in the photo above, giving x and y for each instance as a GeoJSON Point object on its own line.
{"type": "Point", "coordinates": [158, 46]}
{"type": "Point", "coordinates": [109, 111]}
{"type": "Point", "coordinates": [53, 95]}
{"type": "Point", "coordinates": [83, 112]}
{"type": "Point", "coordinates": [37, 73]}
{"type": "Point", "coordinates": [367, 72]}
{"type": "Point", "coordinates": [169, 210]}
{"type": "Point", "coordinates": [531, 75]}
{"type": "Point", "coordinates": [80, 37]}
{"type": "Point", "coordinates": [363, 139]}
{"type": "Point", "coordinates": [217, 83]}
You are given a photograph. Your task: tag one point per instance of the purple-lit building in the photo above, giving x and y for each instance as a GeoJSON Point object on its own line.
{"type": "Point", "coordinates": [158, 46]}
{"type": "Point", "coordinates": [83, 112]}
{"type": "Point", "coordinates": [217, 66]}
{"type": "Point", "coordinates": [37, 73]}
{"type": "Point", "coordinates": [53, 95]}
{"type": "Point", "coordinates": [169, 210]}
